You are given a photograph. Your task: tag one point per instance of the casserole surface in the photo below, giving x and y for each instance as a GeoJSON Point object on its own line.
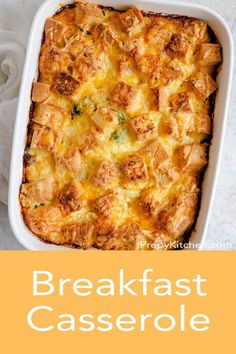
{"type": "Point", "coordinates": [48, 9]}
{"type": "Point", "coordinates": [119, 129]}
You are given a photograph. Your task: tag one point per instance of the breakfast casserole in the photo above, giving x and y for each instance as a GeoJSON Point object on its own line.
{"type": "Point", "coordinates": [120, 127]}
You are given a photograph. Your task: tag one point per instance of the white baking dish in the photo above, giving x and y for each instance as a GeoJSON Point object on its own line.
{"type": "Point", "coordinates": [47, 9]}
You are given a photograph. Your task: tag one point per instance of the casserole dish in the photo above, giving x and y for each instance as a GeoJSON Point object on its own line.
{"type": "Point", "coordinates": [47, 10]}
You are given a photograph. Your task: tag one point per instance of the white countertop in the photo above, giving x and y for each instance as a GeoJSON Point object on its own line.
{"type": "Point", "coordinates": [222, 225]}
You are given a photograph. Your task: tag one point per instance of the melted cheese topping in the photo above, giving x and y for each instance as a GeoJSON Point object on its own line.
{"type": "Point", "coordinates": [121, 113]}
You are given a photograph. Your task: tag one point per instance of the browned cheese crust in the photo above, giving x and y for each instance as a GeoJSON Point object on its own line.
{"type": "Point", "coordinates": [120, 128]}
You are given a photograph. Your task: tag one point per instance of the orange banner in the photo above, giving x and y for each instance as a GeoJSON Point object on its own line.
{"type": "Point", "coordinates": [113, 302]}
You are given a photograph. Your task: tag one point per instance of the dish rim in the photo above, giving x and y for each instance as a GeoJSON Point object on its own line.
{"type": "Point", "coordinates": [13, 197]}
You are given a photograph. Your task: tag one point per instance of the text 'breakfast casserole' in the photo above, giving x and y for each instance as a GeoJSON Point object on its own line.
{"type": "Point", "coordinates": [120, 127]}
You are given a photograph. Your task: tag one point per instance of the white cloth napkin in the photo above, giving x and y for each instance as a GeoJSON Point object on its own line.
{"type": "Point", "coordinates": [15, 22]}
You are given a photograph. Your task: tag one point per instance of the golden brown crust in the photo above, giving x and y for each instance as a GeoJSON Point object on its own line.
{"type": "Point", "coordinates": [102, 118]}
{"type": "Point", "coordinates": [149, 203]}
{"type": "Point", "coordinates": [87, 15]}
{"type": "Point", "coordinates": [142, 126]}
{"type": "Point", "coordinates": [203, 84]}
{"type": "Point", "coordinates": [203, 124]}
{"type": "Point", "coordinates": [169, 126]}
{"type": "Point", "coordinates": [121, 107]}
{"type": "Point", "coordinates": [169, 74]}
{"type": "Point", "coordinates": [159, 98]}
{"type": "Point", "coordinates": [107, 237]}
{"type": "Point", "coordinates": [80, 234]}
{"type": "Point", "coordinates": [104, 204]}
{"type": "Point", "coordinates": [40, 92]}
{"type": "Point", "coordinates": [37, 192]}
{"type": "Point", "coordinates": [49, 115]}
{"type": "Point", "coordinates": [44, 221]}
{"type": "Point", "coordinates": [134, 168]}
{"type": "Point", "coordinates": [178, 46]}
{"type": "Point", "coordinates": [87, 66]}
{"type": "Point", "coordinates": [70, 197]}
{"type": "Point", "coordinates": [131, 19]}
{"type": "Point", "coordinates": [43, 138]}
{"type": "Point", "coordinates": [65, 84]}
{"type": "Point", "coordinates": [156, 153]}
{"type": "Point", "coordinates": [54, 30]}
{"type": "Point", "coordinates": [181, 102]}
{"type": "Point", "coordinates": [209, 54]}
{"type": "Point", "coordinates": [104, 35]}
{"type": "Point", "coordinates": [123, 94]}
{"type": "Point", "coordinates": [72, 160]}
{"type": "Point", "coordinates": [178, 218]}
{"type": "Point", "coordinates": [105, 174]}
{"type": "Point", "coordinates": [131, 234]}
{"type": "Point", "coordinates": [192, 157]}
{"type": "Point", "coordinates": [149, 66]}
{"type": "Point", "coordinates": [158, 35]}
{"type": "Point", "coordinates": [131, 46]}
